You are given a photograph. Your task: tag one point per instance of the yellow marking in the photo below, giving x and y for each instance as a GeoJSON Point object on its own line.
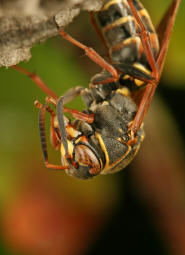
{"type": "Point", "coordinates": [130, 39]}
{"type": "Point", "coordinates": [120, 139]}
{"type": "Point", "coordinates": [142, 137]}
{"type": "Point", "coordinates": [125, 42]}
{"type": "Point", "coordinates": [72, 131]}
{"type": "Point", "coordinates": [138, 82]}
{"type": "Point", "coordinates": [154, 41]}
{"type": "Point", "coordinates": [116, 162]}
{"type": "Point", "coordinates": [78, 140]}
{"type": "Point", "coordinates": [120, 130]}
{"type": "Point", "coordinates": [123, 91]}
{"type": "Point", "coordinates": [142, 68]}
{"type": "Point", "coordinates": [118, 22]}
{"type": "Point", "coordinates": [126, 77]}
{"type": "Point", "coordinates": [143, 12]}
{"type": "Point", "coordinates": [105, 103]}
{"type": "Point", "coordinates": [102, 145]}
{"type": "Point", "coordinates": [107, 165]}
{"type": "Point", "coordinates": [107, 5]}
{"type": "Point", "coordinates": [83, 139]}
{"type": "Point", "coordinates": [70, 148]}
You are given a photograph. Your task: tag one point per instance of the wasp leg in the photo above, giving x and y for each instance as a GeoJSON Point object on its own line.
{"type": "Point", "coordinates": [145, 39]}
{"type": "Point", "coordinates": [92, 54]}
{"type": "Point", "coordinates": [89, 118]}
{"type": "Point", "coordinates": [155, 65]}
{"type": "Point", "coordinates": [38, 81]}
{"type": "Point", "coordinates": [43, 140]}
{"type": "Point", "coordinates": [54, 138]}
{"type": "Point", "coordinates": [69, 95]}
{"type": "Point", "coordinates": [53, 97]}
{"type": "Point", "coordinates": [93, 21]}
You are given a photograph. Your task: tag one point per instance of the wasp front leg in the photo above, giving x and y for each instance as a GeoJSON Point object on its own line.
{"type": "Point", "coordinates": [94, 56]}
{"type": "Point", "coordinates": [68, 96]}
{"type": "Point", "coordinates": [37, 80]}
{"type": "Point", "coordinates": [42, 111]}
{"type": "Point", "coordinates": [55, 141]}
{"type": "Point", "coordinates": [93, 21]}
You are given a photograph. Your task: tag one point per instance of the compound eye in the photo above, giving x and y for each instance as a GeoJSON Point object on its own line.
{"type": "Point", "coordinates": [86, 157]}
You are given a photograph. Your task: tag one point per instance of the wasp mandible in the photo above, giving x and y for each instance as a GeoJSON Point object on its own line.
{"type": "Point", "coordinates": [106, 136]}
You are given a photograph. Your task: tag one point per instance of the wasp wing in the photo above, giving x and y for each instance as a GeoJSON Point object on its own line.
{"type": "Point", "coordinates": [164, 30]}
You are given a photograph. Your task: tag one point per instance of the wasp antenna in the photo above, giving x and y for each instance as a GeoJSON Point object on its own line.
{"type": "Point", "coordinates": [62, 128]}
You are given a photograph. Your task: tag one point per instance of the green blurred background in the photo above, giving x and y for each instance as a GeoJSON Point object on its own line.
{"type": "Point", "coordinates": [45, 212]}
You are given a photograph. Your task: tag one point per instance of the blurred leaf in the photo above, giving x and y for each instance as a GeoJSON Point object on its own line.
{"type": "Point", "coordinates": [175, 61]}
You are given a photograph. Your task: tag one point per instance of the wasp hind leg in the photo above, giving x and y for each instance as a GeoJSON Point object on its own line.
{"type": "Point", "coordinates": [93, 21]}
{"type": "Point", "coordinates": [52, 97]}
{"type": "Point", "coordinates": [166, 26]}
{"type": "Point", "coordinates": [93, 55]}
{"type": "Point", "coordinates": [42, 111]}
{"type": "Point", "coordinates": [37, 80]}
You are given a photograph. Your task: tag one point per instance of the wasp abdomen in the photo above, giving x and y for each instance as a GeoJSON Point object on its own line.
{"type": "Point", "coordinates": [120, 31]}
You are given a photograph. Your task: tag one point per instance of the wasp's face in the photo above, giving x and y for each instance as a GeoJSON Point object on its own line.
{"type": "Point", "coordinates": [87, 162]}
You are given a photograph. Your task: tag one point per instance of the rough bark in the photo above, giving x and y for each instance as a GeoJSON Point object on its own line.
{"type": "Point", "coordinates": [23, 23]}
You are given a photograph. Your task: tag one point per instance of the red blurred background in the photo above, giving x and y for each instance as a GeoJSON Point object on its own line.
{"type": "Point", "coordinates": [141, 209]}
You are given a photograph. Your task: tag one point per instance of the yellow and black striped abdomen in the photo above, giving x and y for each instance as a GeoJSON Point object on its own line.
{"type": "Point", "coordinates": [120, 30]}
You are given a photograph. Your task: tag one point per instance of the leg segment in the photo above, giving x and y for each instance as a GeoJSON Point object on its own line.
{"type": "Point", "coordinates": [92, 54]}
{"type": "Point", "coordinates": [38, 81]}
{"type": "Point", "coordinates": [53, 136]}
{"type": "Point", "coordinates": [53, 97]}
{"type": "Point", "coordinates": [89, 118]}
{"type": "Point", "coordinates": [93, 21]}
{"type": "Point", "coordinates": [43, 140]}
{"type": "Point", "coordinates": [156, 66]}
{"type": "Point", "coordinates": [69, 96]}
{"type": "Point", "coordinates": [145, 39]}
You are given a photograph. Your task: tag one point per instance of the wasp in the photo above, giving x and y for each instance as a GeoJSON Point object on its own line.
{"type": "Point", "coordinates": [106, 136]}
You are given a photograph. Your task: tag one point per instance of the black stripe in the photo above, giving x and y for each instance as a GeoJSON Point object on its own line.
{"type": "Point", "coordinates": [120, 32]}
{"type": "Point", "coordinates": [43, 132]}
{"type": "Point", "coordinates": [137, 5]}
{"type": "Point", "coordinates": [146, 22]}
{"type": "Point", "coordinates": [116, 11]}
{"type": "Point", "coordinates": [113, 13]}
